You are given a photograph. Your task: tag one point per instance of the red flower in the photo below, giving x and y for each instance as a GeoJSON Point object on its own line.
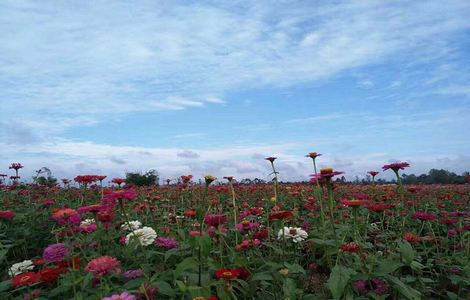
{"type": "Point", "coordinates": [271, 159]}
{"type": "Point", "coordinates": [105, 216]}
{"type": "Point", "coordinates": [190, 214]}
{"type": "Point", "coordinates": [7, 214]}
{"type": "Point", "coordinates": [118, 181]}
{"type": "Point", "coordinates": [261, 235]}
{"type": "Point", "coordinates": [16, 166]}
{"type": "Point", "coordinates": [50, 275]}
{"type": "Point", "coordinates": [350, 247]}
{"type": "Point", "coordinates": [313, 155]}
{"type": "Point", "coordinates": [411, 238]}
{"type": "Point", "coordinates": [280, 215]}
{"type": "Point", "coordinates": [215, 220]}
{"type": "Point", "coordinates": [244, 273]}
{"type": "Point", "coordinates": [227, 274]}
{"type": "Point", "coordinates": [27, 278]}
{"type": "Point", "coordinates": [373, 173]}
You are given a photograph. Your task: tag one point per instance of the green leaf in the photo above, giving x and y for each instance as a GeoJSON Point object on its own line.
{"type": "Point", "coordinates": [289, 288]}
{"type": "Point", "coordinates": [266, 276]}
{"type": "Point", "coordinates": [406, 291]}
{"type": "Point", "coordinates": [165, 289]}
{"type": "Point", "coordinates": [339, 279]}
{"type": "Point", "coordinates": [406, 251]}
{"type": "Point", "coordinates": [294, 268]}
{"type": "Point", "coordinates": [387, 267]}
{"type": "Point", "coordinates": [181, 286]}
{"type": "Point", "coordinates": [134, 283]}
{"type": "Point", "coordinates": [187, 263]}
{"type": "Point", "coordinates": [5, 285]}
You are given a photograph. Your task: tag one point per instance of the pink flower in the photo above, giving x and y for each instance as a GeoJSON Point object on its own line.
{"type": "Point", "coordinates": [103, 265]}
{"type": "Point", "coordinates": [247, 225]}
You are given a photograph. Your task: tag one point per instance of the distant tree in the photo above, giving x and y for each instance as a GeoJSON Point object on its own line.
{"type": "Point", "coordinates": [149, 178]}
{"type": "Point", "coordinates": [47, 180]}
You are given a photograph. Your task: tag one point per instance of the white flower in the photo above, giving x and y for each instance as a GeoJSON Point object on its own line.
{"type": "Point", "coordinates": [87, 222]}
{"type": "Point", "coordinates": [146, 236]}
{"type": "Point", "coordinates": [134, 225]}
{"type": "Point", "coordinates": [297, 234]}
{"type": "Point", "coordinates": [21, 267]}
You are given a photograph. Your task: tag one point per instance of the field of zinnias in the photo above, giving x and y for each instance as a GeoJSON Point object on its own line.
{"type": "Point", "coordinates": [322, 240]}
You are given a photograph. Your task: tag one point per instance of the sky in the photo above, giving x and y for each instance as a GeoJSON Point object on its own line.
{"type": "Point", "coordinates": [214, 87]}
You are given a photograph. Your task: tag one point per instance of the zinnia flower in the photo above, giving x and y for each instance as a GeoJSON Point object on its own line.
{"type": "Point", "coordinates": [7, 214]}
{"type": "Point", "coordinates": [280, 215]}
{"type": "Point", "coordinates": [133, 225]}
{"type": "Point", "coordinates": [215, 219]}
{"type": "Point", "coordinates": [66, 216]}
{"type": "Point", "coordinates": [167, 243]}
{"type": "Point", "coordinates": [21, 267]}
{"type": "Point", "coordinates": [103, 265]}
{"type": "Point", "coordinates": [133, 274]}
{"type": "Point", "coordinates": [227, 274]}
{"type": "Point", "coordinates": [24, 279]}
{"type": "Point", "coordinates": [396, 166]}
{"type": "Point", "coordinates": [424, 216]}
{"type": "Point", "coordinates": [146, 236]}
{"type": "Point", "coordinates": [350, 247]}
{"type": "Point", "coordinates": [55, 252]}
{"type": "Point", "coordinates": [295, 233]}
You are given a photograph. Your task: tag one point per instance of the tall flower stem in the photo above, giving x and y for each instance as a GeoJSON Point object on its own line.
{"type": "Point", "coordinates": [275, 182]}
{"type": "Point", "coordinates": [235, 209]}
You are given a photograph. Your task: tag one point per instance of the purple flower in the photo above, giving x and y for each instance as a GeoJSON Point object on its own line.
{"type": "Point", "coordinates": [55, 252]}
{"type": "Point", "coordinates": [167, 243]}
{"type": "Point", "coordinates": [133, 274]}
{"type": "Point", "coordinates": [123, 296]}
{"type": "Point", "coordinates": [375, 285]}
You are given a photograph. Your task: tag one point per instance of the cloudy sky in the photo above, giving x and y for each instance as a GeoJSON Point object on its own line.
{"type": "Point", "coordinates": [197, 87]}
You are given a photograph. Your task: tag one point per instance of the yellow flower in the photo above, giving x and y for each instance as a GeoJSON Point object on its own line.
{"type": "Point", "coordinates": [284, 272]}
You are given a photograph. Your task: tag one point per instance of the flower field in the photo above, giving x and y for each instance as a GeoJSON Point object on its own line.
{"type": "Point", "coordinates": [225, 240]}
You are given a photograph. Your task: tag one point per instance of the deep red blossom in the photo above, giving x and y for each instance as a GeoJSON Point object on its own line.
{"type": "Point", "coordinates": [227, 274]}
{"type": "Point", "coordinates": [350, 247]}
{"type": "Point", "coordinates": [25, 279]}
{"type": "Point", "coordinates": [280, 215]}
{"type": "Point", "coordinates": [7, 214]}
{"type": "Point", "coordinates": [215, 219]}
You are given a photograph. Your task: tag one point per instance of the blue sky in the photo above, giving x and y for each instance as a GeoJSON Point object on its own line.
{"type": "Point", "coordinates": [197, 87]}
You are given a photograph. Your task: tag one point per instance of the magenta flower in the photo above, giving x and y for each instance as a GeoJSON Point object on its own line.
{"type": "Point", "coordinates": [424, 216]}
{"type": "Point", "coordinates": [215, 219]}
{"type": "Point", "coordinates": [167, 243]}
{"type": "Point", "coordinates": [133, 274]}
{"type": "Point", "coordinates": [55, 252]}
{"type": "Point", "coordinates": [396, 166]}
{"type": "Point", "coordinates": [247, 225]}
